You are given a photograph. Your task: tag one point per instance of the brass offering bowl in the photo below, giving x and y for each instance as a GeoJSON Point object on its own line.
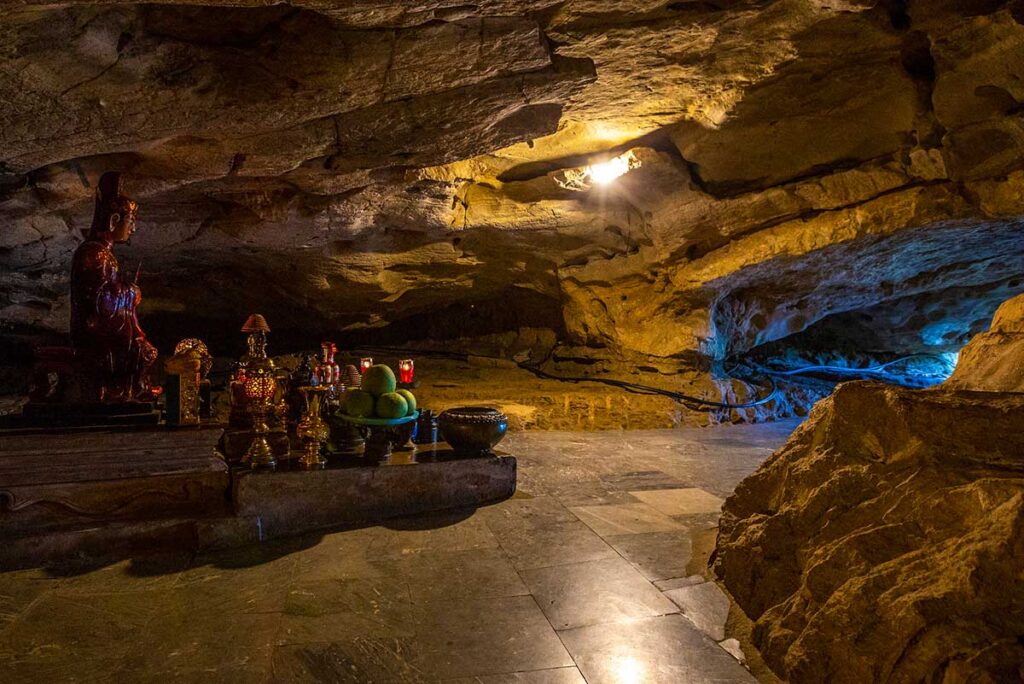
{"type": "Point", "coordinates": [472, 429]}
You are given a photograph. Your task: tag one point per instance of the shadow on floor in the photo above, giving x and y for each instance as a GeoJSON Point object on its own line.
{"type": "Point", "coordinates": [172, 556]}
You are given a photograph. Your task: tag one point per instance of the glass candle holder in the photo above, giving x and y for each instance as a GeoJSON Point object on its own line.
{"type": "Point", "coordinates": [260, 387]}
{"type": "Point", "coordinates": [364, 364]}
{"type": "Point", "coordinates": [406, 370]}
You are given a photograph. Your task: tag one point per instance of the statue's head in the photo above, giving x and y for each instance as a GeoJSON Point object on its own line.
{"type": "Point", "coordinates": [114, 218]}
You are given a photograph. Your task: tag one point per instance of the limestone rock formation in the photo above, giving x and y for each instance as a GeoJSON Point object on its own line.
{"type": "Point", "coordinates": [885, 540]}
{"type": "Point", "coordinates": [994, 361]}
{"type": "Point", "coordinates": [389, 170]}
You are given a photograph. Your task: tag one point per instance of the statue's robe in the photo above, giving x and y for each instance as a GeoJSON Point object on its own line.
{"type": "Point", "coordinates": [105, 329]}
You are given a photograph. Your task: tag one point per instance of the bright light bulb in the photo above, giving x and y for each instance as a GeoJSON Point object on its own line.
{"type": "Point", "coordinates": [605, 172]}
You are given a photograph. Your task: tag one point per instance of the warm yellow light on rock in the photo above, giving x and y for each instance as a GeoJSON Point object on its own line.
{"type": "Point", "coordinates": [603, 173]}
{"type": "Point", "coordinates": [599, 173]}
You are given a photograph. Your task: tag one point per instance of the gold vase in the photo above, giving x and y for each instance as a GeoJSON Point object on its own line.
{"type": "Point", "coordinates": [259, 455]}
{"type": "Point", "coordinates": [312, 429]}
{"type": "Point", "coordinates": [260, 389]}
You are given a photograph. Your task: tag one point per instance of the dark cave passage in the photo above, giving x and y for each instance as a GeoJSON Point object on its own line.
{"type": "Point", "coordinates": [907, 303]}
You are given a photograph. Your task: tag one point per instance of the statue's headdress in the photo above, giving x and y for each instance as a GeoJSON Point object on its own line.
{"type": "Point", "coordinates": [110, 200]}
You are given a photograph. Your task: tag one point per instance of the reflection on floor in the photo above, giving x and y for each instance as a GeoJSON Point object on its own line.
{"type": "Point", "coordinates": [594, 570]}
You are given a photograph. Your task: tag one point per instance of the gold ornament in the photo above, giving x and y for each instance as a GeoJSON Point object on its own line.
{"type": "Point", "coordinates": [260, 387]}
{"type": "Point", "coordinates": [194, 344]}
{"type": "Point", "coordinates": [312, 429]}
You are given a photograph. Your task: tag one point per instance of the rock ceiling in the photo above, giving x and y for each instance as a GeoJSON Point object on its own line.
{"type": "Point", "coordinates": [349, 166]}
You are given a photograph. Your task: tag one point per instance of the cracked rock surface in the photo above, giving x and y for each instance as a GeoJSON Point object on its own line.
{"type": "Point", "coordinates": [394, 171]}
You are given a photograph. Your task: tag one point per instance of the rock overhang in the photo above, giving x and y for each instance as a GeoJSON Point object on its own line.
{"type": "Point", "coordinates": [357, 167]}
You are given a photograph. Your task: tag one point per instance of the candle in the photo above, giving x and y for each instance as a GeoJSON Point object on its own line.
{"type": "Point", "coordinates": [406, 370]}
{"type": "Point", "coordinates": [364, 364]}
{"type": "Point", "coordinates": [260, 387]}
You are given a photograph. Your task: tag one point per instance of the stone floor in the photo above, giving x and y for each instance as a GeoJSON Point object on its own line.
{"type": "Point", "coordinates": [594, 572]}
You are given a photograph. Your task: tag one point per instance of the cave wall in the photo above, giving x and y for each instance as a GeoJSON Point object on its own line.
{"type": "Point", "coordinates": [885, 540]}
{"type": "Point", "coordinates": [374, 169]}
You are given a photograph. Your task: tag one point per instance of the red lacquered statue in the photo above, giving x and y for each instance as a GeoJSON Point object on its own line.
{"type": "Point", "coordinates": [105, 330]}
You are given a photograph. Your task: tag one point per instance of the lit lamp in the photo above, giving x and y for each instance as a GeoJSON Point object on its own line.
{"type": "Point", "coordinates": [364, 364]}
{"type": "Point", "coordinates": [600, 172]}
{"type": "Point", "coordinates": [605, 172]}
{"type": "Point", "coordinates": [260, 387]}
{"type": "Point", "coordinates": [406, 369]}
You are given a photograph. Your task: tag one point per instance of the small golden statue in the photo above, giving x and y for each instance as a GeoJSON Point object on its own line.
{"type": "Point", "coordinates": [194, 344]}
{"type": "Point", "coordinates": [312, 429]}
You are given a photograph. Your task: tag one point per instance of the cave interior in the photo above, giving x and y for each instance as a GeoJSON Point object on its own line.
{"type": "Point", "coordinates": [731, 270]}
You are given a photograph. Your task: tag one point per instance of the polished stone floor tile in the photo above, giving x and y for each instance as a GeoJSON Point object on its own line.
{"type": "Point", "coordinates": [336, 564]}
{"type": "Point", "coordinates": [54, 667]}
{"type": "Point", "coordinates": [461, 531]}
{"type": "Point", "coordinates": [482, 573]}
{"type": "Point", "coordinates": [539, 532]}
{"type": "Point", "coordinates": [229, 592]}
{"type": "Point", "coordinates": [188, 643]}
{"type": "Point", "coordinates": [18, 590]}
{"type": "Point", "coordinates": [81, 625]}
{"type": "Point", "coordinates": [705, 605]}
{"type": "Point", "coordinates": [355, 661]}
{"type": "Point", "coordinates": [657, 555]}
{"type": "Point", "coordinates": [346, 609]}
{"type": "Point", "coordinates": [660, 650]}
{"type": "Point", "coordinates": [594, 592]}
{"type": "Point", "coordinates": [527, 514]}
{"type": "Point", "coordinates": [353, 551]}
{"type": "Point", "coordinates": [676, 582]}
{"type": "Point", "coordinates": [477, 637]}
{"type": "Point", "coordinates": [584, 493]}
{"type": "Point", "coordinates": [61, 637]}
{"type": "Point", "coordinates": [616, 519]}
{"type": "Point", "coordinates": [704, 540]}
{"type": "Point", "coordinates": [151, 634]}
{"type": "Point", "coordinates": [463, 596]}
{"type": "Point", "coordinates": [569, 542]}
{"type": "Point", "coordinates": [680, 501]}
{"type": "Point", "coordinates": [560, 675]}
{"type": "Point", "coordinates": [145, 573]}
{"type": "Point", "coordinates": [547, 474]}
{"type": "Point", "coordinates": [699, 521]}
{"type": "Point", "coordinates": [642, 480]}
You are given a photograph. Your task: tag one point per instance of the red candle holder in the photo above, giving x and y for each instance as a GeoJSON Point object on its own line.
{"type": "Point", "coordinates": [364, 364]}
{"type": "Point", "coordinates": [406, 370]}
